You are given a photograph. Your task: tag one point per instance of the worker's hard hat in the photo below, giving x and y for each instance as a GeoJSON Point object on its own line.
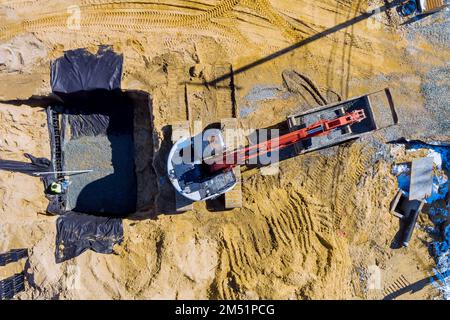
{"type": "Point", "coordinates": [56, 187]}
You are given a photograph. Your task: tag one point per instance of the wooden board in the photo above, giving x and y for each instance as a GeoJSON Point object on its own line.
{"type": "Point", "coordinates": [233, 198]}
{"type": "Point", "coordinates": [180, 129]}
{"type": "Point", "coordinates": [429, 5]}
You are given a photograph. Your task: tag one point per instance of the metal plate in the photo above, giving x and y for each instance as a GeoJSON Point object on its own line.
{"type": "Point", "coordinates": [421, 179]}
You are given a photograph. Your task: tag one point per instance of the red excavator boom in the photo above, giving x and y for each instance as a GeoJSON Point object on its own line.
{"type": "Point", "coordinates": [231, 159]}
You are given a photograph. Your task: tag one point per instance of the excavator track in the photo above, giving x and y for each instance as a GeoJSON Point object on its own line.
{"type": "Point", "coordinates": [181, 126]}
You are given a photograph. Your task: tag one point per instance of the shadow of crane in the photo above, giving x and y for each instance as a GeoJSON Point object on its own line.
{"type": "Point", "coordinates": [309, 40]}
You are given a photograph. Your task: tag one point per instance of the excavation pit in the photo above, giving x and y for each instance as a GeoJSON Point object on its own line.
{"type": "Point", "coordinates": [109, 132]}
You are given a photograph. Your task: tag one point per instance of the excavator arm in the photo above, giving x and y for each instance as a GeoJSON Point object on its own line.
{"type": "Point", "coordinates": [228, 160]}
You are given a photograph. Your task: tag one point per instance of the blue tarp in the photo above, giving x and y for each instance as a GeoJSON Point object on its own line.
{"type": "Point", "coordinates": [438, 212]}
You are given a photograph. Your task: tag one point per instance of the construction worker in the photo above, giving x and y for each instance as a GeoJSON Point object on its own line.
{"type": "Point", "coordinates": [60, 187]}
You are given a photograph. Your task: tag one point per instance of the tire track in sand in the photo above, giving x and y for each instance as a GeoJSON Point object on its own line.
{"type": "Point", "coordinates": [352, 166]}
{"type": "Point", "coordinates": [285, 232]}
{"type": "Point", "coordinates": [122, 16]}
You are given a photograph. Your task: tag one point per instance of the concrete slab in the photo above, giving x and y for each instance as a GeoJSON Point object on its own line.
{"type": "Point", "coordinates": [421, 179]}
{"type": "Point", "coordinates": [233, 198]}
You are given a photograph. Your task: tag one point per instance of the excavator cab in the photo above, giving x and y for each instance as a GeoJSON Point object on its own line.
{"type": "Point", "coordinates": [188, 172]}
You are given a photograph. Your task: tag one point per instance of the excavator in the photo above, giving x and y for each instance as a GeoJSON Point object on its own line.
{"type": "Point", "coordinates": [203, 168]}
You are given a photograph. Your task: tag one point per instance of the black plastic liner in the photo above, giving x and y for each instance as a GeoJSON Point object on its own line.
{"type": "Point", "coordinates": [88, 102]}
{"type": "Point", "coordinates": [13, 256]}
{"type": "Point", "coordinates": [80, 70]}
{"type": "Point", "coordinates": [97, 112]}
{"type": "Point", "coordinates": [78, 232]}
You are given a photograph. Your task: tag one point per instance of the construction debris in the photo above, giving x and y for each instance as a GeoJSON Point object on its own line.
{"type": "Point", "coordinates": [409, 207]}
{"type": "Point", "coordinates": [408, 212]}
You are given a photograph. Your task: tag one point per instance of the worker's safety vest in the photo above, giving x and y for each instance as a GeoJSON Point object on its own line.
{"type": "Point", "coordinates": [56, 187]}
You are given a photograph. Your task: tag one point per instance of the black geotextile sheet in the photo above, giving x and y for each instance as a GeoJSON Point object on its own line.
{"type": "Point", "coordinates": [89, 86]}
{"type": "Point", "coordinates": [80, 70]}
{"type": "Point", "coordinates": [11, 286]}
{"type": "Point", "coordinates": [78, 232]}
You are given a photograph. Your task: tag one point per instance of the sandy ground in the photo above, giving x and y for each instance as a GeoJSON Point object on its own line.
{"type": "Point", "coordinates": [320, 228]}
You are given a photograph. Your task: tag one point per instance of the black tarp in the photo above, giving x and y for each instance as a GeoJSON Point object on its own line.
{"type": "Point", "coordinates": [11, 286]}
{"type": "Point", "coordinates": [13, 256]}
{"type": "Point", "coordinates": [78, 232]}
{"type": "Point", "coordinates": [80, 70]}
{"type": "Point", "coordinates": [98, 112]}
{"type": "Point", "coordinates": [86, 89]}
{"type": "Point", "coordinates": [98, 134]}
